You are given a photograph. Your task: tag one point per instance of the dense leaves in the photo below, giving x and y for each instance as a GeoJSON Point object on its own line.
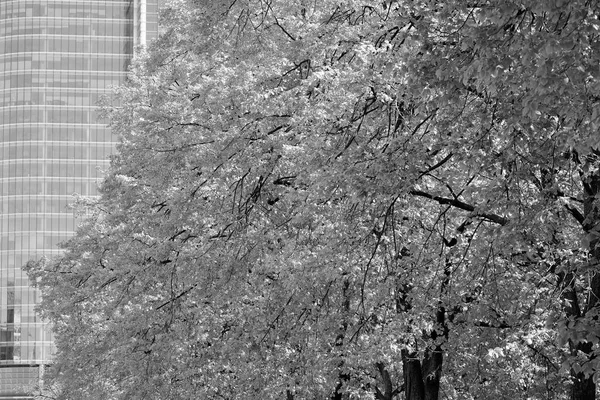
{"type": "Point", "coordinates": [356, 199]}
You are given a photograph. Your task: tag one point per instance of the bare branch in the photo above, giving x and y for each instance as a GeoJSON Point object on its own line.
{"type": "Point", "coordinates": [437, 165]}
{"type": "Point", "coordinates": [463, 206]}
{"type": "Point", "coordinates": [576, 214]}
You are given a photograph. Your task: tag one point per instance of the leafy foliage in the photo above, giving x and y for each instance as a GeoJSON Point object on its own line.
{"type": "Point", "coordinates": [339, 200]}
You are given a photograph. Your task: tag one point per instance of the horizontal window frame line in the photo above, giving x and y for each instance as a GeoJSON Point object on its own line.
{"type": "Point", "coordinates": [65, 71]}
{"type": "Point", "coordinates": [62, 36]}
{"type": "Point", "coordinates": [55, 124]}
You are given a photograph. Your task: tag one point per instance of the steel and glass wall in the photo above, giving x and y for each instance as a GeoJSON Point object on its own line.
{"type": "Point", "coordinates": [57, 57]}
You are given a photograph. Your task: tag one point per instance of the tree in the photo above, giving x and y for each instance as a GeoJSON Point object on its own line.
{"type": "Point", "coordinates": [343, 200]}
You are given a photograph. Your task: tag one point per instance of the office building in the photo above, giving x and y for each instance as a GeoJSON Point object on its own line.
{"type": "Point", "coordinates": [57, 57]}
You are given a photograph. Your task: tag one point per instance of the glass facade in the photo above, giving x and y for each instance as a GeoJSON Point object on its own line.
{"type": "Point", "coordinates": [57, 57]}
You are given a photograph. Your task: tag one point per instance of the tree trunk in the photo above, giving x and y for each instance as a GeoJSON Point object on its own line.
{"type": "Point", "coordinates": [413, 376]}
{"type": "Point", "coordinates": [388, 390]}
{"type": "Point", "coordinates": [433, 359]}
{"type": "Point", "coordinates": [432, 372]}
{"type": "Point", "coordinates": [339, 342]}
{"type": "Point", "coordinates": [422, 379]}
{"type": "Point", "coordinates": [583, 388]}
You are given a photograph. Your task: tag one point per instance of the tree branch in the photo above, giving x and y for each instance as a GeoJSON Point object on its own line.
{"type": "Point", "coordinates": [437, 165]}
{"type": "Point", "coordinates": [576, 214]}
{"type": "Point", "coordinates": [462, 205]}
{"type": "Point", "coordinates": [180, 295]}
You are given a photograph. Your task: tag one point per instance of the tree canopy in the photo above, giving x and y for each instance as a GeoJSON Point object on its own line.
{"type": "Point", "coordinates": [343, 200]}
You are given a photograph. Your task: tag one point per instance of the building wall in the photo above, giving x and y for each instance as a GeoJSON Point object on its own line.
{"type": "Point", "coordinates": [57, 57]}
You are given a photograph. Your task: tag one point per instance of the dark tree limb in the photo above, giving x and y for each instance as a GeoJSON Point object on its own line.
{"type": "Point", "coordinates": [180, 295]}
{"type": "Point", "coordinates": [437, 165]}
{"type": "Point", "coordinates": [461, 205]}
{"type": "Point", "coordinates": [576, 214]}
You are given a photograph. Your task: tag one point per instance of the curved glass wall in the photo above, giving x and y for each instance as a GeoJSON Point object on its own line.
{"type": "Point", "coordinates": [57, 57]}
